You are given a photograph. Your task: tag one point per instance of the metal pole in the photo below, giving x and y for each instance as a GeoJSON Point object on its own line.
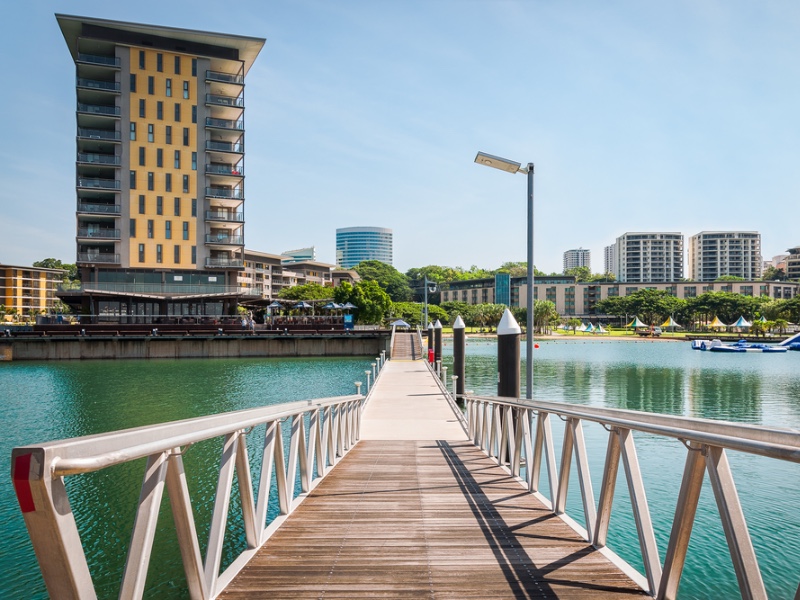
{"type": "Point", "coordinates": [529, 320]}
{"type": "Point", "coordinates": [425, 284]}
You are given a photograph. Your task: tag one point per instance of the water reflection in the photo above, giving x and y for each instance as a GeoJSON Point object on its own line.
{"type": "Point", "coordinates": [729, 395]}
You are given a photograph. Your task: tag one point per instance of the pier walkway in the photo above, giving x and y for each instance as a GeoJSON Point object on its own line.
{"type": "Point", "coordinates": [416, 510]}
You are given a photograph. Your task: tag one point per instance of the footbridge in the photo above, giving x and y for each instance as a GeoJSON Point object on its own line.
{"type": "Point", "coordinates": [395, 493]}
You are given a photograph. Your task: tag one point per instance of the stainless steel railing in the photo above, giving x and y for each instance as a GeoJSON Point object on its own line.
{"type": "Point", "coordinates": [322, 431]}
{"type": "Point", "coordinates": [518, 432]}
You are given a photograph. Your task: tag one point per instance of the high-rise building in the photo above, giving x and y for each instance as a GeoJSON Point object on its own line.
{"type": "Point", "coordinates": [160, 164]}
{"type": "Point", "coordinates": [713, 254]}
{"type": "Point", "coordinates": [609, 260]}
{"type": "Point", "coordinates": [577, 258]}
{"type": "Point", "coordinates": [649, 257]}
{"type": "Point", "coordinates": [793, 263]}
{"type": "Point", "coordinates": [28, 291]}
{"type": "Point", "coordinates": [357, 244]}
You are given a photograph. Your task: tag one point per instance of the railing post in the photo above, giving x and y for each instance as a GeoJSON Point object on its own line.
{"type": "Point", "coordinates": [455, 381]}
{"type": "Point", "coordinates": [358, 385]}
{"type": "Point", "coordinates": [367, 373]}
{"type": "Point", "coordinates": [444, 375]}
{"type": "Point", "coordinates": [374, 371]}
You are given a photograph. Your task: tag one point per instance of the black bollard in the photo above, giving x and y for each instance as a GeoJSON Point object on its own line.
{"type": "Point", "coordinates": [437, 341]}
{"type": "Point", "coordinates": [508, 334]}
{"type": "Point", "coordinates": [459, 351]}
{"type": "Point", "coordinates": [430, 342]}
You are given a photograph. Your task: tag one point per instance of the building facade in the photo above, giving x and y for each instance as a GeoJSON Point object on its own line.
{"type": "Point", "coordinates": [357, 244]}
{"type": "Point", "coordinates": [648, 257]}
{"type": "Point", "coordinates": [28, 291]}
{"type": "Point", "coordinates": [713, 254]}
{"type": "Point", "coordinates": [577, 258]}
{"type": "Point", "coordinates": [300, 255]}
{"type": "Point", "coordinates": [793, 263]}
{"type": "Point", "coordinates": [160, 164]}
{"type": "Point", "coordinates": [609, 260]}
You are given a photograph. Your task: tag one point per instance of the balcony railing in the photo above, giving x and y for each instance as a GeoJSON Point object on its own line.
{"type": "Point", "coordinates": [225, 170]}
{"type": "Point", "coordinates": [98, 134]}
{"type": "Point", "coordinates": [99, 159]}
{"type": "Point", "coordinates": [101, 184]}
{"type": "Point", "coordinates": [94, 109]}
{"type": "Point", "coordinates": [217, 100]}
{"type": "Point", "coordinates": [98, 233]}
{"type": "Point", "coordinates": [90, 257]}
{"type": "Point", "coordinates": [236, 194]}
{"type": "Point", "coordinates": [226, 240]}
{"type": "Point", "coordinates": [232, 217]}
{"type": "Point", "coordinates": [108, 209]}
{"type": "Point", "coordinates": [225, 124]}
{"type": "Point", "coordinates": [109, 61]}
{"type": "Point", "coordinates": [109, 86]}
{"type": "Point", "coordinates": [224, 77]}
{"type": "Point", "coordinates": [237, 147]}
{"type": "Point", "coordinates": [224, 262]}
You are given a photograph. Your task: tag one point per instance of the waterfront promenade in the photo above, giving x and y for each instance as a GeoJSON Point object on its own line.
{"type": "Point", "coordinates": [416, 510]}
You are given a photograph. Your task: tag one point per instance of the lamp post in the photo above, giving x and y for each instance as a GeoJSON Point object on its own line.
{"type": "Point", "coordinates": [432, 289]}
{"type": "Point", "coordinates": [510, 166]}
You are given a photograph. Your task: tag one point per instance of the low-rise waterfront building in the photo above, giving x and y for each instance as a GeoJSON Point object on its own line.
{"type": "Point", "coordinates": [300, 255]}
{"type": "Point", "coordinates": [28, 291]}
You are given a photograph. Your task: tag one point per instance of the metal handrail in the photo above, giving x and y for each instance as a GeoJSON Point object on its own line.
{"type": "Point", "coordinates": [517, 432]}
{"type": "Point", "coordinates": [38, 472]}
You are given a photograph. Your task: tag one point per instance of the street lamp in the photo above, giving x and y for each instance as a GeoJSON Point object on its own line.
{"type": "Point", "coordinates": [429, 286]}
{"type": "Point", "coordinates": [510, 166]}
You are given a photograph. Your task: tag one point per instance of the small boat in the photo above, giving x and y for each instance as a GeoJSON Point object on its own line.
{"type": "Point", "coordinates": [739, 346]}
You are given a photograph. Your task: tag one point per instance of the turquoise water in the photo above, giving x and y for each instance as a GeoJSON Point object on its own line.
{"type": "Point", "coordinates": [670, 378]}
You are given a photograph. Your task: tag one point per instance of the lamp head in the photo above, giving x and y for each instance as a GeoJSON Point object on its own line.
{"type": "Point", "coordinates": [496, 162]}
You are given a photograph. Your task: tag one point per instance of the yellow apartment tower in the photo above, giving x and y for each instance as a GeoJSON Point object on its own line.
{"type": "Point", "coordinates": [159, 169]}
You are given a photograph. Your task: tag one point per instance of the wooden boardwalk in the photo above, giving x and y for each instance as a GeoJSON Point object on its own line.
{"type": "Point", "coordinates": [423, 514]}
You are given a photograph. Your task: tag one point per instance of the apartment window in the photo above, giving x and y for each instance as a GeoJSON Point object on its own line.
{"type": "Point", "coordinates": [151, 137]}
{"type": "Point", "coordinates": [194, 207]}
{"type": "Point", "coordinates": [177, 210]}
{"type": "Point", "coordinates": [133, 228]}
{"type": "Point", "coordinates": [169, 88]}
{"type": "Point", "coordinates": [177, 159]}
{"type": "Point", "coordinates": [177, 65]}
{"type": "Point", "coordinates": [142, 108]}
{"type": "Point", "coordinates": [194, 113]}
{"type": "Point", "coordinates": [168, 230]}
{"type": "Point", "coordinates": [150, 229]}
{"type": "Point", "coordinates": [185, 136]}
{"type": "Point", "coordinates": [177, 112]}
{"type": "Point", "coordinates": [194, 255]}
{"type": "Point", "coordinates": [141, 253]}
{"type": "Point", "coordinates": [133, 82]}
{"type": "Point", "coordinates": [159, 253]}
{"type": "Point", "coordinates": [168, 182]}
{"type": "Point", "coordinates": [159, 205]}
{"type": "Point", "coordinates": [141, 59]}
{"type": "Point", "coordinates": [194, 161]}
{"type": "Point", "coordinates": [177, 255]}
{"type": "Point", "coordinates": [169, 134]}
{"type": "Point", "coordinates": [133, 132]}
{"type": "Point", "coordinates": [194, 71]}
{"type": "Point", "coordinates": [160, 110]}
{"type": "Point", "coordinates": [151, 85]}
{"type": "Point", "coordinates": [150, 181]}
{"type": "Point", "coordinates": [141, 156]}
{"type": "Point", "coordinates": [133, 180]}
{"type": "Point", "coordinates": [159, 157]}
{"type": "Point", "coordinates": [141, 204]}
{"type": "Point", "coordinates": [159, 62]}
{"type": "Point", "coordinates": [186, 90]}
{"type": "Point", "coordinates": [186, 230]}
{"type": "Point", "coordinates": [185, 184]}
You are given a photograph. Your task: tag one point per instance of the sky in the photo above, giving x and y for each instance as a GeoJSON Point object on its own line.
{"type": "Point", "coordinates": [639, 116]}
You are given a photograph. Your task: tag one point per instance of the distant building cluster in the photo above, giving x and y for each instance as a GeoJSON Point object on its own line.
{"type": "Point", "coordinates": [577, 258]}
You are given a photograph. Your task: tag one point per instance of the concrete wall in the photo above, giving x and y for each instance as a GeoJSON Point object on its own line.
{"type": "Point", "coordinates": [54, 348]}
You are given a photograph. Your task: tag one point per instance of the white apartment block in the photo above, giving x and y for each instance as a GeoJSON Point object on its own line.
{"type": "Point", "coordinates": [648, 257]}
{"type": "Point", "coordinates": [713, 254]}
{"type": "Point", "coordinates": [610, 260]}
{"type": "Point", "coordinates": [579, 257]}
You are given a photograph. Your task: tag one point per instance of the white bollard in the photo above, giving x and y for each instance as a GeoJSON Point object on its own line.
{"type": "Point", "coordinates": [367, 373]}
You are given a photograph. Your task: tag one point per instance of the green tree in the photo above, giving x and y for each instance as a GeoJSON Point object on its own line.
{"type": "Point", "coordinates": [455, 309]}
{"type": "Point", "coordinates": [372, 303]}
{"type": "Point", "coordinates": [54, 263]}
{"type": "Point", "coordinates": [730, 278]}
{"type": "Point", "coordinates": [573, 323]}
{"type": "Point", "coordinates": [544, 315]}
{"type": "Point", "coordinates": [392, 281]}
{"type": "Point", "coordinates": [773, 274]}
{"type": "Point", "coordinates": [412, 313]}
{"type": "Point", "coordinates": [580, 273]}
{"type": "Point", "coordinates": [309, 291]}
{"type": "Point", "coordinates": [651, 306]}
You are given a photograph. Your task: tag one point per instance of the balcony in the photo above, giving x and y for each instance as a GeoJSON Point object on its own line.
{"type": "Point", "coordinates": [234, 147]}
{"type": "Point", "coordinates": [224, 263]}
{"type": "Point", "coordinates": [100, 209]}
{"type": "Point", "coordinates": [99, 159]}
{"type": "Point", "coordinates": [228, 217]}
{"type": "Point", "coordinates": [93, 59]}
{"type": "Point", "coordinates": [224, 77]}
{"type": "Point", "coordinates": [225, 124]}
{"type": "Point", "coordinates": [227, 101]}
{"type": "Point", "coordinates": [91, 257]}
{"type": "Point", "coordinates": [94, 109]}
{"type": "Point", "coordinates": [232, 170]}
{"type": "Point", "coordinates": [220, 239]}
{"type": "Point", "coordinates": [98, 134]}
{"type": "Point", "coordinates": [98, 184]}
{"type": "Point", "coordinates": [226, 193]}
{"type": "Point", "coordinates": [94, 84]}
{"type": "Point", "coordinates": [98, 233]}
